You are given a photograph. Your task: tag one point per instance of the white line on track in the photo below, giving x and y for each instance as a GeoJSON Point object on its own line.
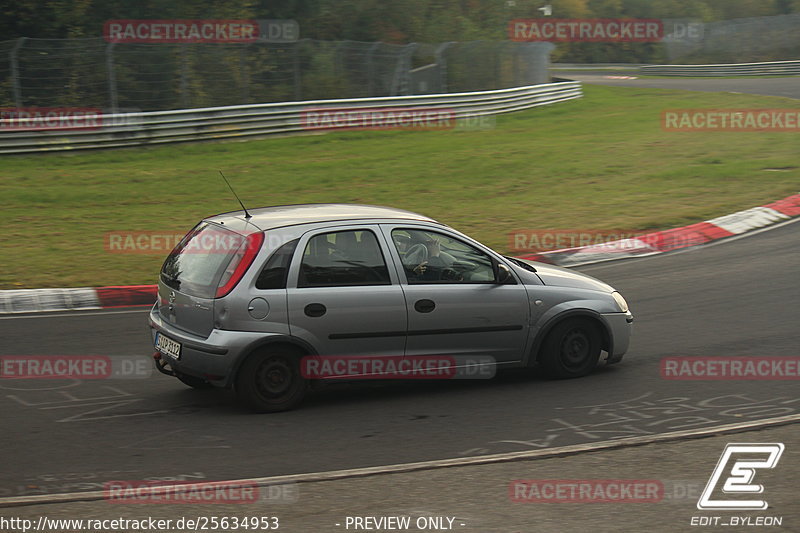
{"type": "Point", "coordinates": [442, 463]}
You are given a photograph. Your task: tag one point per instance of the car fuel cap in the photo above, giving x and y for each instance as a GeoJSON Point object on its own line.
{"type": "Point", "coordinates": [258, 308]}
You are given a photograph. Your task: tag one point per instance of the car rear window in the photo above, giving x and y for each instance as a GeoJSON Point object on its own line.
{"type": "Point", "coordinates": [197, 264]}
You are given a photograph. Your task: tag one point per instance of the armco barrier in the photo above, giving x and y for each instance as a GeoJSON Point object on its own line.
{"type": "Point", "coordinates": [772, 68]}
{"type": "Point", "coordinates": [157, 127]}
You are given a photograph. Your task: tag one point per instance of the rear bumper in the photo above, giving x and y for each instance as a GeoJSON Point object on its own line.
{"type": "Point", "coordinates": [619, 326]}
{"type": "Point", "coordinates": [213, 358]}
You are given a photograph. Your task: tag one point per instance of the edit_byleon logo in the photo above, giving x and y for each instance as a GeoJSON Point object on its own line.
{"type": "Point", "coordinates": [739, 462]}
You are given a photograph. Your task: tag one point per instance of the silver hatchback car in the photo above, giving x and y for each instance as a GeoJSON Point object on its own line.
{"type": "Point", "coordinates": [245, 296]}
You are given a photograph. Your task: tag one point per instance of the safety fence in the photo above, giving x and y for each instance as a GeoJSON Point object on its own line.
{"type": "Point", "coordinates": [158, 77]}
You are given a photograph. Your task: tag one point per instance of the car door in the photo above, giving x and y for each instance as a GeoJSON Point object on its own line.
{"type": "Point", "coordinates": [343, 297]}
{"type": "Point", "coordinates": [455, 305]}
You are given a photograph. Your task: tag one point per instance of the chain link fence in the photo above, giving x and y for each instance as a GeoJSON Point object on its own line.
{"type": "Point", "coordinates": [155, 77]}
{"type": "Point", "coordinates": [741, 41]}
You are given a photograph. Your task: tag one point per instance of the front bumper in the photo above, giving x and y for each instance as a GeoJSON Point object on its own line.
{"type": "Point", "coordinates": [619, 329]}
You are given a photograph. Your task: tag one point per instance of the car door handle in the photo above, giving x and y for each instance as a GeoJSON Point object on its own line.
{"type": "Point", "coordinates": [315, 310]}
{"type": "Point", "coordinates": [425, 306]}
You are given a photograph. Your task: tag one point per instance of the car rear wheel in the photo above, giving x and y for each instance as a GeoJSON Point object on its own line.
{"type": "Point", "coordinates": [270, 380]}
{"type": "Point", "coordinates": [571, 349]}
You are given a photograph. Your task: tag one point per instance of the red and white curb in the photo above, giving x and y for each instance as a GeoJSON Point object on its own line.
{"type": "Point", "coordinates": [675, 239]}
{"type": "Point", "coordinates": [87, 298]}
{"type": "Point", "coordinates": [78, 299]}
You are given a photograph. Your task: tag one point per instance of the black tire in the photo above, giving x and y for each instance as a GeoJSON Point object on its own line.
{"type": "Point", "coordinates": [571, 349]}
{"type": "Point", "coordinates": [194, 382]}
{"type": "Point", "coordinates": [270, 381]}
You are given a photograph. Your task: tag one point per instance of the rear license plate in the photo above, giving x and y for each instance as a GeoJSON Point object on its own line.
{"type": "Point", "coordinates": [168, 346]}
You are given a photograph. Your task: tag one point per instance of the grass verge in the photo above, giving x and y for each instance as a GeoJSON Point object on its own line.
{"type": "Point", "coordinates": [601, 162]}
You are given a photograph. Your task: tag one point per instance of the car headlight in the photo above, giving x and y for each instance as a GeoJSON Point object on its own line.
{"type": "Point", "coordinates": [623, 305]}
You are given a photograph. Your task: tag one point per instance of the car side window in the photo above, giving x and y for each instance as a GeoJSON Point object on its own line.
{"type": "Point", "coordinates": [431, 257]}
{"type": "Point", "coordinates": [343, 258]}
{"type": "Point", "coordinates": [276, 271]}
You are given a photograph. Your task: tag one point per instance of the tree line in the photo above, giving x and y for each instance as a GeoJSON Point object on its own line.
{"type": "Point", "coordinates": [436, 21]}
{"type": "Point", "coordinates": [390, 21]}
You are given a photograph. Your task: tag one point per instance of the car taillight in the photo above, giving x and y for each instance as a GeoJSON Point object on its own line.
{"type": "Point", "coordinates": [239, 263]}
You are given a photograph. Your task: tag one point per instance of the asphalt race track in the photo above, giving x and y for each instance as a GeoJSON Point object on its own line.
{"type": "Point", "coordinates": [788, 86]}
{"type": "Point", "coordinates": [733, 298]}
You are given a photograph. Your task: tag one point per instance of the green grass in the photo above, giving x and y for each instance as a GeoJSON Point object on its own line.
{"type": "Point", "coordinates": [600, 162]}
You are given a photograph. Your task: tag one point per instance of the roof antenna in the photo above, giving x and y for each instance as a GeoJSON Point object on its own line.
{"type": "Point", "coordinates": [246, 214]}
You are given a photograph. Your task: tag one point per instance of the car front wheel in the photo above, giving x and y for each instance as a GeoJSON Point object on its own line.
{"type": "Point", "coordinates": [270, 380]}
{"type": "Point", "coordinates": [571, 349]}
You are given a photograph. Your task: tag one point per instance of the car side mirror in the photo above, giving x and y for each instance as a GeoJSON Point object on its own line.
{"type": "Point", "coordinates": [503, 273]}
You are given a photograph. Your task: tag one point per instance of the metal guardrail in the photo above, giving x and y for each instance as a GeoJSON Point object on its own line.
{"type": "Point", "coordinates": [776, 68]}
{"type": "Point", "coordinates": [232, 122]}
{"type": "Point", "coordinates": [596, 66]}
